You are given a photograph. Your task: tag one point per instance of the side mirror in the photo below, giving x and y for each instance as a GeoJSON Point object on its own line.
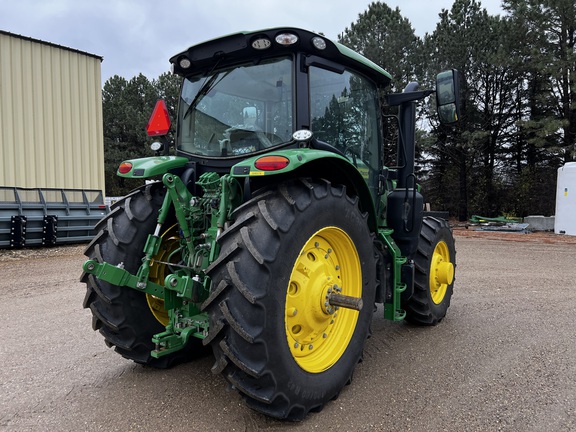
{"type": "Point", "coordinates": [448, 96]}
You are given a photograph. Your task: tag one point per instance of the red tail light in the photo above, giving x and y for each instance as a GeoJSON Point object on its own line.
{"type": "Point", "coordinates": [159, 123]}
{"type": "Point", "coordinates": [272, 163]}
{"type": "Point", "coordinates": [124, 167]}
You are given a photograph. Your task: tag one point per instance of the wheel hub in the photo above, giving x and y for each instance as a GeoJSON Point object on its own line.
{"type": "Point", "coordinates": [441, 272]}
{"type": "Point", "coordinates": [317, 331]}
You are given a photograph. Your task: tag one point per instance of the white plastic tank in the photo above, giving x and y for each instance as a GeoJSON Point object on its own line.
{"type": "Point", "coordinates": [565, 220]}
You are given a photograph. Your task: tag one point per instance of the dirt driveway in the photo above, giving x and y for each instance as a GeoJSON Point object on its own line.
{"type": "Point", "coordinates": [503, 359]}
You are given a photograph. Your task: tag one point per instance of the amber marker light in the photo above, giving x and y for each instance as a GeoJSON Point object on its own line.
{"type": "Point", "coordinates": [286, 39]}
{"type": "Point", "coordinates": [271, 163]}
{"type": "Point", "coordinates": [124, 167]}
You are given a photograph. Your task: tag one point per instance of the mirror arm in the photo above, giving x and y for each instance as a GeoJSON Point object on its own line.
{"type": "Point", "coordinates": [410, 96]}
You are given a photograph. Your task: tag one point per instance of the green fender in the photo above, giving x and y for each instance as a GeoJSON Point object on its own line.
{"type": "Point", "coordinates": [325, 164]}
{"type": "Point", "coordinates": [296, 159]}
{"type": "Point", "coordinates": [150, 166]}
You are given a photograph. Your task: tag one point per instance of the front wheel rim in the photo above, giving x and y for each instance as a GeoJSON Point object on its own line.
{"type": "Point", "coordinates": [317, 332]}
{"type": "Point", "coordinates": [441, 272]}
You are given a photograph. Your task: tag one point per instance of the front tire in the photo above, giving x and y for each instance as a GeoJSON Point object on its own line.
{"type": "Point", "coordinates": [273, 334]}
{"type": "Point", "coordinates": [435, 263]}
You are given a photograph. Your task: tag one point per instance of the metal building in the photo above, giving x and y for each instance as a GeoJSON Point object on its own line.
{"type": "Point", "coordinates": [51, 141]}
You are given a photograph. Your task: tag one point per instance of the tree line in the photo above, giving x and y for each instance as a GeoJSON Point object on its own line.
{"type": "Point", "coordinates": [518, 117]}
{"type": "Point", "coordinates": [518, 103]}
{"type": "Point", "coordinates": [126, 109]}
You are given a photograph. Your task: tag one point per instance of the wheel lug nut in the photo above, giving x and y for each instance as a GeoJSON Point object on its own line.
{"type": "Point", "coordinates": [310, 347]}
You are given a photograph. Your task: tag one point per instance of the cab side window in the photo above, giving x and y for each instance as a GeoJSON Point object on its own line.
{"type": "Point", "coordinates": [344, 113]}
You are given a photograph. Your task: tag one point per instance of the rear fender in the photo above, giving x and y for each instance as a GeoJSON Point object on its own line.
{"type": "Point", "coordinates": [150, 166]}
{"type": "Point", "coordinates": [312, 163]}
{"type": "Point", "coordinates": [295, 160]}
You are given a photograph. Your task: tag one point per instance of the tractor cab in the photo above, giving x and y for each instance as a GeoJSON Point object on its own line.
{"type": "Point", "coordinates": [246, 94]}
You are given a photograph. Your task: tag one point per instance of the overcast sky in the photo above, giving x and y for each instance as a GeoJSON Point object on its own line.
{"type": "Point", "coordinates": [139, 36]}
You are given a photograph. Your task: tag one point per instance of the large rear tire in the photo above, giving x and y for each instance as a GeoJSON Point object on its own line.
{"type": "Point", "coordinates": [274, 337]}
{"type": "Point", "coordinates": [125, 317]}
{"type": "Point", "coordinates": [435, 263]}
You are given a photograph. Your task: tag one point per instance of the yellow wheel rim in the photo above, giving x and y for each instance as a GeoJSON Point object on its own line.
{"type": "Point", "coordinates": [159, 270]}
{"type": "Point", "coordinates": [317, 332]}
{"type": "Point", "coordinates": [441, 272]}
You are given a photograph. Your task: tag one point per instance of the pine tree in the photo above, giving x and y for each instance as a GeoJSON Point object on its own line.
{"type": "Point", "coordinates": [126, 108]}
{"type": "Point", "coordinates": [469, 39]}
{"type": "Point", "coordinates": [545, 136]}
{"type": "Point", "coordinates": [384, 36]}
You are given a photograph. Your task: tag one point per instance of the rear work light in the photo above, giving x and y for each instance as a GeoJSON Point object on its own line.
{"type": "Point", "coordinates": [159, 123]}
{"type": "Point", "coordinates": [184, 62]}
{"type": "Point", "coordinates": [261, 43]}
{"type": "Point", "coordinates": [124, 167]}
{"type": "Point", "coordinates": [319, 43]}
{"type": "Point", "coordinates": [272, 163]}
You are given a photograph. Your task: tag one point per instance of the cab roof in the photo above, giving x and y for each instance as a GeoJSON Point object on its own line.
{"type": "Point", "coordinates": [243, 46]}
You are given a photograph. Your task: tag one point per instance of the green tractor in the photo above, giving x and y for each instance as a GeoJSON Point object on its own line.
{"type": "Point", "coordinates": [276, 228]}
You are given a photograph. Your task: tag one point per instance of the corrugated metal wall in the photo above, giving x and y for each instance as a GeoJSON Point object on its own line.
{"type": "Point", "coordinates": [50, 116]}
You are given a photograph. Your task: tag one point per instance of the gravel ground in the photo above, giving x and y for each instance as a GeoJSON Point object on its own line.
{"type": "Point", "coordinates": [34, 253]}
{"type": "Point", "coordinates": [502, 359]}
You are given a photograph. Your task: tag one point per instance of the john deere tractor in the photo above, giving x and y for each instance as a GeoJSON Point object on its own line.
{"type": "Point", "coordinates": [275, 229]}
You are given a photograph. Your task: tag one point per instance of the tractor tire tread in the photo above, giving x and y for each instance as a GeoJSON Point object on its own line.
{"type": "Point", "coordinates": [420, 309]}
{"type": "Point", "coordinates": [121, 314]}
{"type": "Point", "coordinates": [236, 306]}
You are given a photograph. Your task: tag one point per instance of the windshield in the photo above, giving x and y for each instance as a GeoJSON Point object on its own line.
{"type": "Point", "coordinates": [237, 111]}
